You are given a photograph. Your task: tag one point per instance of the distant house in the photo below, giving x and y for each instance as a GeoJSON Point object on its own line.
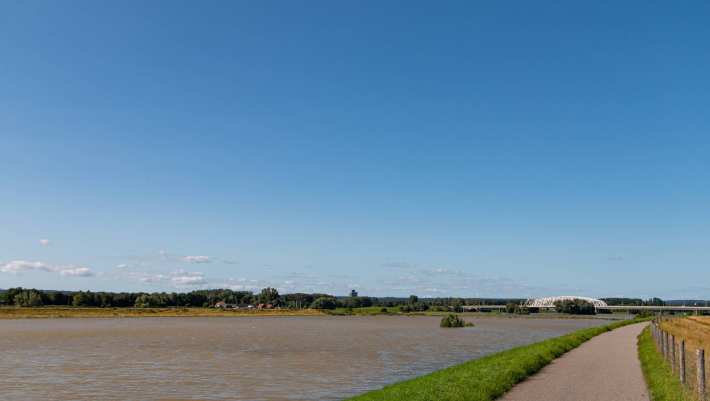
{"type": "Point", "coordinates": [221, 305]}
{"type": "Point", "coordinates": [265, 306]}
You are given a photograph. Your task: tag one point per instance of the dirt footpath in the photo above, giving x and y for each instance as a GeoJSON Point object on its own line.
{"type": "Point", "coordinates": [605, 368]}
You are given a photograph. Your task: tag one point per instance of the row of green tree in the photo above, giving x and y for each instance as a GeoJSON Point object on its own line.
{"type": "Point", "coordinates": [634, 302]}
{"type": "Point", "coordinates": [206, 298]}
{"type": "Point", "coordinates": [198, 298]}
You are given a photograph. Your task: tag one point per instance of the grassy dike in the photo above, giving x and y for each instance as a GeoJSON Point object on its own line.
{"type": "Point", "coordinates": [489, 377]}
{"type": "Point", "coordinates": [662, 384]}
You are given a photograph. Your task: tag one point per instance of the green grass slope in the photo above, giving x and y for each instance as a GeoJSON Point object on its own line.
{"type": "Point", "coordinates": [489, 377]}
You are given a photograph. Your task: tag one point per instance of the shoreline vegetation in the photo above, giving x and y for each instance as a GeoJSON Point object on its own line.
{"type": "Point", "coordinates": [49, 312]}
{"type": "Point", "coordinates": [662, 384]}
{"type": "Point", "coordinates": [34, 303]}
{"type": "Point", "coordinates": [487, 378]}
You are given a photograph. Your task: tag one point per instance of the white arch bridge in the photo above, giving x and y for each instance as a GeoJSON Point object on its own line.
{"type": "Point", "coordinates": [549, 303]}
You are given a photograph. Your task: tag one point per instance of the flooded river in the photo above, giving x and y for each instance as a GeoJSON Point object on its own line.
{"type": "Point", "coordinates": [261, 358]}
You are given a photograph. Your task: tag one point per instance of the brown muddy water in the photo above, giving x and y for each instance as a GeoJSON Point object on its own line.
{"type": "Point", "coordinates": [262, 358]}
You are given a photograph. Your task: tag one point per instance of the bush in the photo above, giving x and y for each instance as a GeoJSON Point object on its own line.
{"type": "Point", "coordinates": [521, 310]}
{"type": "Point", "coordinates": [415, 307]}
{"type": "Point", "coordinates": [644, 314]}
{"type": "Point", "coordinates": [454, 321]}
{"type": "Point", "coordinates": [575, 307]}
{"type": "Point", "coordinates": [324, 303]}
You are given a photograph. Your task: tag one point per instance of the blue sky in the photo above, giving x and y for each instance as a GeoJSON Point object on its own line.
{"type": "Point", "coordinates": [438, 149]}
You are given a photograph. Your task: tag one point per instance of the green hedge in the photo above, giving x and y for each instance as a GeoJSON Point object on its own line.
{"type": "Point", "coordinates": [489, 377]}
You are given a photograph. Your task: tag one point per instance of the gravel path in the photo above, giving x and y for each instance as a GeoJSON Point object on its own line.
{"type": "Point", "coordinates": [605, 368]}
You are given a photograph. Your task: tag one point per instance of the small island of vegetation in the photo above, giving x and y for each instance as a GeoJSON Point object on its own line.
{"type": "Point", "coordinates": [452, 320]}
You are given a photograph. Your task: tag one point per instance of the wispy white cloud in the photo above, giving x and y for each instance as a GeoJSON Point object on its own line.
{"type": "Point", "coordinates": [19, 266]}
{"type": "Point", "coordinates": [177, 278]}
{"type": "Point", "coordinates": [197, 259]}
{"type": "Point", "coordinates": [44, 242]}
{"type": "Point", "coordinates": [187, 279]}
{"type": "Point", "coordinates": [76, 272]}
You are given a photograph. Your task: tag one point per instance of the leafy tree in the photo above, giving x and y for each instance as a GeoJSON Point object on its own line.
{"type": "Point", "coordinates": [325, 303]}
{"type": "Point", "coordinates": [82, 298]}
{"type": "Point", "coordinates": [575, 307]}
{"type": "Point", "coordinates": [143, 301]}
{"type": "Point", "coordinates": [28, 298]}
{"type": "Point", "coordinates": [269, 296]}
{"type": "Point", "coordinates": [298, 300]}
{"type": "Point", "coordinates": [655, 302]}
{"type": "Point", "coordinates": [415, 307]}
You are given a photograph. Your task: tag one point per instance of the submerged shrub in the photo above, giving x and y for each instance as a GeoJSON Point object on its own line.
{"type": "Point", "coordinates": [452, 320]}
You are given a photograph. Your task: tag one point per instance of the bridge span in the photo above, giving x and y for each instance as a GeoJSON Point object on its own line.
{"type": "Point", "coordinates": [664, 308]}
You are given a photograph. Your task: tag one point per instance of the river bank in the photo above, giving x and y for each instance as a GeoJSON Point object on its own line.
{"type": "Point", "coordinates": [72, 312]}
{"type": "Point", "coordinates": [46, 312]}
{"type": "Point", "coordinates": [487, 378]}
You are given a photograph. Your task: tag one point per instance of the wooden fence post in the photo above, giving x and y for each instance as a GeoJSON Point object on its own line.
{"type": "Point", "coordinates": [672, 344]}
{"type": "Point", "coordinates": [701, 374]}
{"type": "Point", "coordinates": [682, 361]}
{"type": "Point", "coordinates": [665, 346]}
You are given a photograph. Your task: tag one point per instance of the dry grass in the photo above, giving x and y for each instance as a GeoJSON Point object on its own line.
{"type": "Point", "coordinates": [67, 312]}
{"type": "Point", "coordinates": [695, 331]}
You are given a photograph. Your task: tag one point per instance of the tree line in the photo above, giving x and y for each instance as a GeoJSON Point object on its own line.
{"type": "Point", "coordinates": [26, 297]}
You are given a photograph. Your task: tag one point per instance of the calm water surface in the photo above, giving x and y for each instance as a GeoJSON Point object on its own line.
{"type": "Point", "coordinates": [263, 358]}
